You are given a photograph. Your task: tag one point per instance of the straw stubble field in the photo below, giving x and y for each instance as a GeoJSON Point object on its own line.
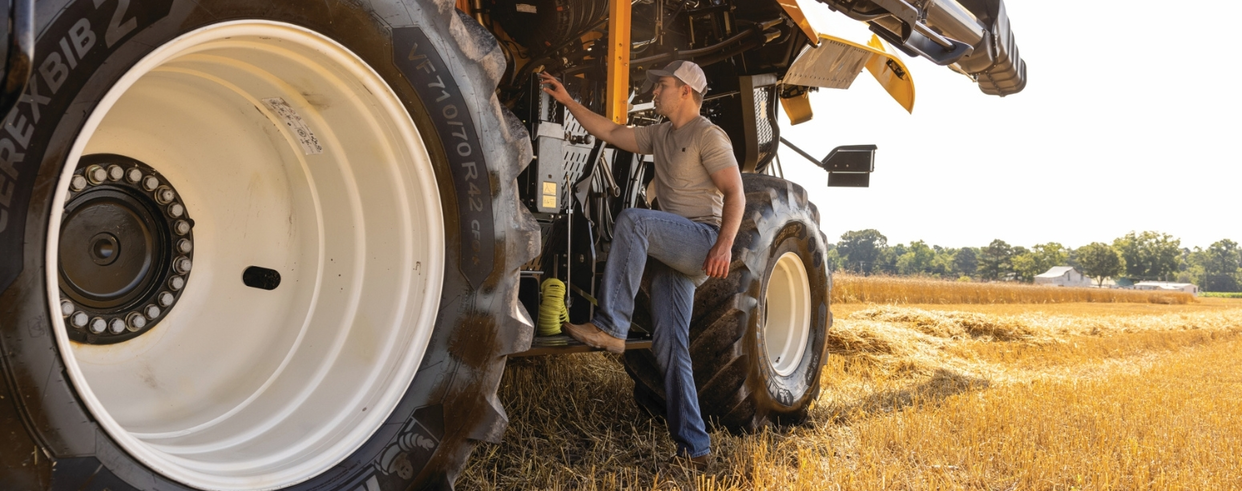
{"type": "Point", "coordinates": [1060, 394]}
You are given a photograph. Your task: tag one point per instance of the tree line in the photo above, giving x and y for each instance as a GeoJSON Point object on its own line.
{"type": "Point", "coordinates": [1135, 256]}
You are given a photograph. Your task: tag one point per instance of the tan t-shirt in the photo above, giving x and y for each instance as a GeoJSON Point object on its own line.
{"type": "Point", "coordinates": [685, 159]}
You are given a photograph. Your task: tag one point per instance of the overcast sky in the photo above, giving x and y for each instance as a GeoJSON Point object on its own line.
{"type": "Point", "coordinates": [1129, 121]}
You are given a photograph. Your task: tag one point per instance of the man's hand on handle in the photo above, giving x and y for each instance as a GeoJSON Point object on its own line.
{"type": "Point", "coordinates": [598, 126]}
{"type": "Point", "coordinates": [553, 87]}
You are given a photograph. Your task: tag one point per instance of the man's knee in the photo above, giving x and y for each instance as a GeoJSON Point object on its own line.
{"type": "Point", "coordinates": [629, 219]}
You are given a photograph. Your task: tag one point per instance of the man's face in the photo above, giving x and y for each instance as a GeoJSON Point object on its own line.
{"type": "Point", "coordinates": [666, 96]}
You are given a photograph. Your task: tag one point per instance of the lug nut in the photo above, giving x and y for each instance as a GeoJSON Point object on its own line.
{"type": "Point", "coordinates": [133, 175]}
{"type": "Point", "coordinates": [96, 174]}
{"type": "Point", "coordinates": [176, 283]}
{"type": "Point", "coordinates": [164, 195]}
{"type": "Point", "coordinates": [182, 227]}
{"type": "Point", "coordinates": [166, 299]}
{"type": "Point", "coordinates": [115, 173]}
{"type": "Point", "coordinates": [98, 325]}
{"type": "Point", "coordinates": [151, 311]}
{"type": "Point", "coordinates": [66, 308]}
{"type": "Point", "coordinates": [78, 183]}
{"type": "Point", "coordinates": [150, 183]}
{"type": "Point", "coordinates": [79, 319]}
{"type": "Point", "coordinates": [175, 210]}
{"type": "Point", "coordinates": [116, 326]}
{"type": "Point", "coordinates": [183, 265]}
{"type": "Point", "coordinates": [135, 321]}
{"type": "Point", "coordinates": [184, 246]}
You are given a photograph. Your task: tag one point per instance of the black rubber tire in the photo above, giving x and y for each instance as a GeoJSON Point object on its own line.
{"type": "Point", "coordinates": [737, 387]}
{"type": "Point", "coordinates": [51, 440]}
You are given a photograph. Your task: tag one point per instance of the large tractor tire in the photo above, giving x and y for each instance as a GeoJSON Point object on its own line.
{"type": "Point", "coordinates": [757, 337]}
{"type": "Point", "coordinates": [257, 245]}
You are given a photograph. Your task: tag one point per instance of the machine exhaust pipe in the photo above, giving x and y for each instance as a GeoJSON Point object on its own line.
{"type": "Point", "coordinates": [994, 60]}
{"type": "Point", "coordinates": [971, 36]}
{"type": "Point", "coordinates": [954, 21]}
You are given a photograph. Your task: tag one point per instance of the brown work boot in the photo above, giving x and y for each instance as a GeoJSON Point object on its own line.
{"type": "Point", "coordinates": [594, 337]}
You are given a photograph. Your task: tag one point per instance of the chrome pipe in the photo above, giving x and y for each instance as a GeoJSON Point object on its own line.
{"type": "Point", "coordinates": [954, 21]}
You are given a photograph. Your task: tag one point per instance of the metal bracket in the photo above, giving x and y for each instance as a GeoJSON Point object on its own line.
{"type": "Point", "coordinates": [618, 63]}
{"type": "Point", "coordinates": [847, 165]}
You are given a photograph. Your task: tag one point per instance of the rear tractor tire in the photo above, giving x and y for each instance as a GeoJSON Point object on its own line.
{"type": "Point", "coordinates": [257, 245]}
{"type": "Point", "coordinates": [758, 336]}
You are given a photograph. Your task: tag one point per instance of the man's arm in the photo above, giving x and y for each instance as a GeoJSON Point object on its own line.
{"type": "Point", "coordinates": [603, 128]}
{"type": "Point", "coordinates": [729, 181]}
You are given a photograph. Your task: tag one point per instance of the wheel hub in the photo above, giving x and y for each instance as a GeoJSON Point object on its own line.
{"type": "Point", "coordinates": [126, 249]}
{"type": "Point", "coordinates": [104, 248]}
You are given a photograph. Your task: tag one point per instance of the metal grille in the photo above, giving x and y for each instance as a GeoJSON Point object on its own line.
{"type": "Point", "coordinates": [766, 129]}
{"type": "Point", "coordinates": [578, 146]}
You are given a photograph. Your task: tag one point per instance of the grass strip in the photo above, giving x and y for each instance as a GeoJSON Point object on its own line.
{"type": "Point", "coordinates": [847, 288]}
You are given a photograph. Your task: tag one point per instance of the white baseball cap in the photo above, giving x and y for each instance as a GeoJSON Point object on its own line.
{"type": "Point", "coordinates": [686, 71]}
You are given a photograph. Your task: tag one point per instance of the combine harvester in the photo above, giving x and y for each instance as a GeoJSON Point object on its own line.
{"type": "Point", "coordinates": [290, 244]}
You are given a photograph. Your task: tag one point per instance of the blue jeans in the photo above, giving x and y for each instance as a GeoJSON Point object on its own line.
{"type": "Point", "coordinates": [674, 248]}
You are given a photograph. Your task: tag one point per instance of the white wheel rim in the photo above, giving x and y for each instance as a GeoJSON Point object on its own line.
{"type": "Point", "coordinates": [787, 326]}
{"type": "Point", "coordinates": [241, 388]}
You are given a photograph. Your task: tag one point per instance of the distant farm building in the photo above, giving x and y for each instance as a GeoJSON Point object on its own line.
{"type": "Point", "coordinates": [1166, 286]}
{"type": "Point", "coordinates": [1063, 276]}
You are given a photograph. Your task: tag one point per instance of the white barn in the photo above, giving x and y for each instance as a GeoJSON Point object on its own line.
{"type": "Point", "coordinates": [1166, 286]}
{"type": "Point", "coordinates": [1063, 276]}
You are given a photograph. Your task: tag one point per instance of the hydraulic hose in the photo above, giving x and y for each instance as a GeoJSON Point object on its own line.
{"type": "Point", "coordinates": [552, 311]}
{"type": "Point", "coordinates": [749, 39]}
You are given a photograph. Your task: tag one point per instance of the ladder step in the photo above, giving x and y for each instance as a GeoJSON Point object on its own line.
{"type": "Point", "coordinates": [562, 344]}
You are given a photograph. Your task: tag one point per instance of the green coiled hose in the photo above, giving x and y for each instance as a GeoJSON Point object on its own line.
{"type": "Point", "coordinates": [552, 311]}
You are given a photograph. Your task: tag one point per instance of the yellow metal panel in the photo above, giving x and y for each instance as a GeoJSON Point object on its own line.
{"type": "Point", "coordinates": [798, 108]}
{"type": "Point", "coordinates": [618, 93]}
{"type": "Point", "coordinates": [794, 9]}
{"type": "Point", "coordinates": [892, 74]}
